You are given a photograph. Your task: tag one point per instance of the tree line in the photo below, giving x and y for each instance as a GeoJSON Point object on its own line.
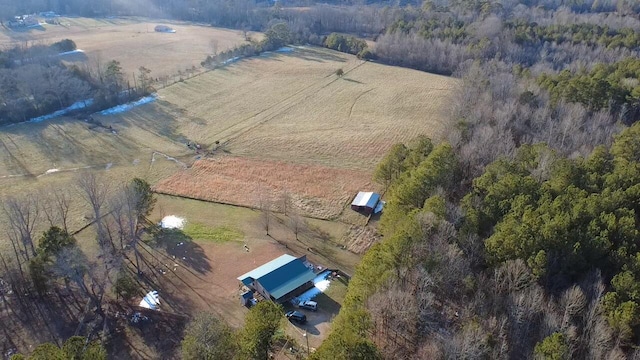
{"type": "Point", "coordinates": [208, 337]}
{"type": "Point", "coordinates": [592, 34]}
{"type": "Point", "coordinates": [35, 82]}
{"type": "Point", "coordinates": [76, 347]}
{"type": "Point", "coordinates": [614, 87]}
{"type": "Point", "coordinates": [542, 110]}
{"type": "Point", "coordinates": [449, 280]}
{"type": "Point", "coordinates": [515, 43]}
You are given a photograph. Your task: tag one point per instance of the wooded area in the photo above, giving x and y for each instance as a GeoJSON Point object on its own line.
{"type": "Point", "coordinates": [49, 271]}
{"type": "Point", "coordinates": [518, 267]}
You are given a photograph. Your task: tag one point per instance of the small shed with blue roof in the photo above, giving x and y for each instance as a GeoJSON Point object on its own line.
{"type": "Point", "coordinates": [280, 279]}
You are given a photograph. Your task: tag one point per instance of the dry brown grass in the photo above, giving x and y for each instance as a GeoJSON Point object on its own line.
{"type": "Point", "coordinates": [292, 107]}
{"type": "Point", "coordinates": [133, 42]}
{"type": "Point", "coordinates": [314, 190]}
{"type": "Point", "coordinates": [29, 150]}
{"type": "Point", "coordinates": [284, 109]}
{"type": "Point", "coordinates": [280, 108]}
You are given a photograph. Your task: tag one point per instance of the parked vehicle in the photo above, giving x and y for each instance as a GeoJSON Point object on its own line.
{"type": "Point", "coordinates": [296, 316]}
{"type": "Point", "coordinates": [309, 305]}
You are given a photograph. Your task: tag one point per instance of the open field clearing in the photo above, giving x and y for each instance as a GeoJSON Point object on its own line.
{"type": "Point", "coordinates": [312, 190]}
{"type": "Point", "coordinates": [132, 41]}
{"type": "Point", "coordinates": [286, 109]}
{"type": "Point", "coordinates": [42, 149]}
{"type": "Point", "coordinates": [292, 107]}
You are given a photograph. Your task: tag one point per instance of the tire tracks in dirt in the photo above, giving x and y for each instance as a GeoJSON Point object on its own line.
{"type": "Point", "coordinates": [356, 100]}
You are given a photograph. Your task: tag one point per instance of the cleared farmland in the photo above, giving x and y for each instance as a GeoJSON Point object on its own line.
{"type": "Point", "coordinates": [295, 127]}
{"type": "Point", "coordinates": [131, 41]}
{"type": "Point", "coordinates": [310, 190]}
{"type": "Point", "coordinates": [292, 107]}
{"type": "Point", "coordinates": [280, 111]}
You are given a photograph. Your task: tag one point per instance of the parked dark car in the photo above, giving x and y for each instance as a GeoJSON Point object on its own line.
{"type": "Point", "coordinates": [296, 316]}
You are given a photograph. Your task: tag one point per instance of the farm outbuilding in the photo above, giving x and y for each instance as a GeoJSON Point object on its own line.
{"type": "Point", "coordinates": [280, 279]}
{"type": "Point", "coordinates": [365, 202]}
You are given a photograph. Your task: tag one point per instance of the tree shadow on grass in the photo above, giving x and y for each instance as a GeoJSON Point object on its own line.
{"type": "Point", "coordinates": [51, 318]}
{"type": "Point", "coordinates": [327, 305]}
{"type": "Point", "coordinates": [158, 331]}
{"type": "Point", "coordinates": [351, 80]}
{"type": "Point", "coordinates": [160, 275]}
{"type": "Point", "coordinates": [21, 32]}
{"type": "Point", "coordinates": [182, 248]}
{"type": "Point", "coordinates": [316, 54]}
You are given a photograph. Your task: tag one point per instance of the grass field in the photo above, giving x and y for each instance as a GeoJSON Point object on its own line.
{"type": "Point", "coordinates": [292, 107]}
{"type": "Point", "coordinates": [285, 118]}
{"type": "Point", "coordinates": [292, 125]}
{"type": "Point", "coordinates": [132, 41]}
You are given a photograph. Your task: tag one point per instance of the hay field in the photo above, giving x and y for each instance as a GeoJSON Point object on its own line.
{"type": "Point", "coordinates": [280, 110]}
{"type": "Point", "coordinates": [290, 123]}
{"type": "Point", "coordinates": [132, 41]}
{"type": "Point", "coordinates": [40, 149]}
{"type": "Point", "coordinates": [310, 190]}
{"type": "Point", "coordinates": [292, 107]}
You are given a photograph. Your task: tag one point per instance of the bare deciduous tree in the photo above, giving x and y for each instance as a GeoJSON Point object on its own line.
{"type": "Point", "coordinates": [126, 215]}
{"type": "Point", "coordinates": [396, 316]}
{"type": "Point", "coordinates": [213, 44]}
{"type": "Point", "coordinates": [23, 215]}
{"type": "Point", "coordinates": [56, 207]}
{"type": "Point", "coordinates": [95, 193]}
{"type": "Point", "coordinates": [266, 207]}
{"type": "Point", "coordinates": [297, 224]}
{"type": "Point", "coordinates": [286, 200]}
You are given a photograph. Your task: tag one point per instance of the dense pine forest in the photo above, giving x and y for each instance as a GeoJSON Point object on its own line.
{"type": "Point", "coordinates": [517, 235]}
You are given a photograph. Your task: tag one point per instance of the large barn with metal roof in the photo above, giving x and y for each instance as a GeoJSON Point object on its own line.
{"type": "Point", "coordinates": [280, 279]}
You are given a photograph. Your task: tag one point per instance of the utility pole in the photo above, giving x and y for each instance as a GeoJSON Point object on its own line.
{"type": "Point", "coordinates": [307, 338]}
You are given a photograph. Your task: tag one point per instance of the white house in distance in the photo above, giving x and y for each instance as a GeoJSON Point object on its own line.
{"type": "Point", "coordinates": [367, 203]}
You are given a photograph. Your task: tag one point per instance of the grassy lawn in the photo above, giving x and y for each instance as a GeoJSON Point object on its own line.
{"type": "Point", "coordinates": [331, 300]}
{"type": "Point", "coordinates": [219, 234]}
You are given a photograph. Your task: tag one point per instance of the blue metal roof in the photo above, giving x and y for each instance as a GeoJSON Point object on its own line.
{"type": "Point", "coordinates": [261, 271]}
{"type": "Point", "coordinates": [280, 276]}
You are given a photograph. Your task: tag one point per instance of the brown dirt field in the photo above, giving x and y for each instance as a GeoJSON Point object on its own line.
{"type": "Point", "coordinates": [133, 42]}
{"type": "Point", "coordinates": [315, 191]}
{"type": "Point", "coordinates": [217, 289]}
